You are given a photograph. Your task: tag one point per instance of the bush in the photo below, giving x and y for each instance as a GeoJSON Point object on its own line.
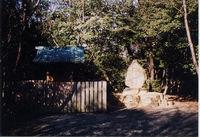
{"type": "Point", "coordinates": [114, 68]}
{"type": "Point", "coordinates": [156, 86]}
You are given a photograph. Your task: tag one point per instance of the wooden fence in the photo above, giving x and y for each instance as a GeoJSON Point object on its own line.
{"type": "Point", "coordinates": [89, 96]}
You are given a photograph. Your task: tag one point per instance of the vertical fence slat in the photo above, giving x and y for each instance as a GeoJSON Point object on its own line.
{"type": "Point", "coordinates": [91, 97]}
{"type": "Point", "coordinates": [70, 99]}
{"type": "Point", "coordinates": [104, 96]}
{"type": "Point", "coordinates": [68, 96]}
{"type": "Point", "coordinates": [78, 97]}
{"type": "Point", "coordinates": [82, 96]}
{"type": "Point", "coordinates": [99, 96]}
{"type": "Point", "coordinates": [74, 97]}
{"type": "Point", "coordinates": [95, 96]}
{"type": "Point", "coordinates": [87, 97]}
{"type": "Point", "coordinates": [69, 106]}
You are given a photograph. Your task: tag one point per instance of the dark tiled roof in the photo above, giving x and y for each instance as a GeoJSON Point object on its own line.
{"type": "Point", "coordinates": [64, 54]}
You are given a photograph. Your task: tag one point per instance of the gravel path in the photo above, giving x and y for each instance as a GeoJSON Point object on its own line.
{"type": "Point", "coordinates": [174, 121]}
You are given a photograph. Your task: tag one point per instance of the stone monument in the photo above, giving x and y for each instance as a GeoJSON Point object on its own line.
{"type": "Point", "coordinates": [135, 95]}
{"type": "Point", "coordinates": [135, 76]}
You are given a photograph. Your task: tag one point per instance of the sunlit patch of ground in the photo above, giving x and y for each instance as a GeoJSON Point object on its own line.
{"type": "Point", "coordinates": [178, 120]}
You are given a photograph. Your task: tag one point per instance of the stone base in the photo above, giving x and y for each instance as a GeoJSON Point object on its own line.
{"type": "Point", "coordinates": [133, 98]}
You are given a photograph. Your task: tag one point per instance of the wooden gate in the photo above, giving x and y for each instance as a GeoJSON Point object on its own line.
{"type": "Point", "coordinates": [87, 96]}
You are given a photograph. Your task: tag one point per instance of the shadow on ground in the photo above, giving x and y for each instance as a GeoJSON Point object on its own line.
{"type": "Point", "coordinates": [124, 122]}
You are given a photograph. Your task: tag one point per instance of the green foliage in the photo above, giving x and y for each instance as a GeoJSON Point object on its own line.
{"type": "Point", "coordinates": [115, 68]}
{"type": "Point", "coordinates": [156, 86]}
{"type": "Point", "coordinates": [155, 17]}
{"type": "Point", "coordinates": [161, 34]}
{"type": "Point", "coordinates": [103, 27]}
{"type": "Point", "coordinates": [107, 28]}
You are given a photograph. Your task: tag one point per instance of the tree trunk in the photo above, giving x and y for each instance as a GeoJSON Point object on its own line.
{"type": "Point", "coordinates": [151, 72]}
{"type": "Point", "coordinates": [24, 22]}
{"type": "Point", "coordinates": [18, 55]}
{"type": "Point", "coordinates": [189, 37]}
{"type": "Point", "coordinates": [151, 67]}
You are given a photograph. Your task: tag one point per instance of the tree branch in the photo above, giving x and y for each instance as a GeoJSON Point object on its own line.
{"type": "Point", "coordinates": [36, 4]}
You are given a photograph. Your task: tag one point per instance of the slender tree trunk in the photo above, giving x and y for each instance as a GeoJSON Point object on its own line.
{"type": "Point", "coordinates": [189, 37]}
{"type": "Point", "coordinates": [151, 72]}
{"type": "Point", "coordinates": [18, 55]}
{"type": "Point", "coordinates": [24, 22]}
{"type": "Point", "coordinates": [151, 67]}
{"type": "Point", "coordinates": [149, 43]}
{"type": "Point", "coordinates": [19, 47]}
{"type": "Point", "coordinates": [163, 77]}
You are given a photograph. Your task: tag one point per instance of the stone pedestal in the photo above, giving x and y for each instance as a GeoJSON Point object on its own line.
{"type": "Point", "coordinates": [143, 98]}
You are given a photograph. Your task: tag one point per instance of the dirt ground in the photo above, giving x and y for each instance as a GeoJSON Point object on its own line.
{"type": "Point", "coordinates": [181, 119]}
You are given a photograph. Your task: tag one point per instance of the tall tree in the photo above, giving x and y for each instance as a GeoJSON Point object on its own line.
{"type": "Point", "coordinates": [189, 37]}
{"type": "Point", "coordinates": [159, 22]}
{"type": "Point", "coordinates": [155, 17]}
